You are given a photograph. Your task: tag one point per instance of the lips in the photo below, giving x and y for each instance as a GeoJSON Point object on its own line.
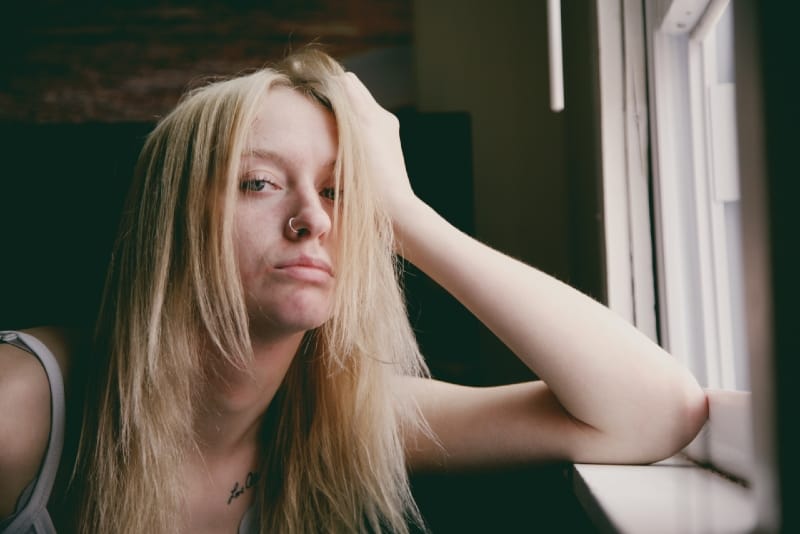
{"type": "Point", "coordinates": [306, 268]}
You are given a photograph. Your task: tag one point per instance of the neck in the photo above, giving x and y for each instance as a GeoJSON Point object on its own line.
{"type": "Point", "coordinates": [235, 400]}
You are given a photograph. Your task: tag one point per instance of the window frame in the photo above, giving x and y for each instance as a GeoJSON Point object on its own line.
{"type": "Point", "coordinates": [645, 77]}
{"type": "Point", "coordinates": [753, 427]}
{"type": "Point", "coordinates": [713, 192]}
{"type": "Point", "coordinates": [719, 355]}
{"type": "Point", "coordinates": [628, 245]}
{"type": "Point", "coordinates": [690, 284]}
{"type": "Point", "coordinates": [688, 252]}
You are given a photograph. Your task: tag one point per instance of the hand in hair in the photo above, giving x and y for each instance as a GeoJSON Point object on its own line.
{"type": "Point", "coordinates": [380, 134]}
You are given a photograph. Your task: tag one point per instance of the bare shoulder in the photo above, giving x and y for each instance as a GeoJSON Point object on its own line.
{"type": "Point", "coordinates": [25, 412]}
{"type": "Point", "coordinates": [489, 426]}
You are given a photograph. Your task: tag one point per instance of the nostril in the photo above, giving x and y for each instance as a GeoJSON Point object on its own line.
{"type": "Point", "coordinates": [299, 228]}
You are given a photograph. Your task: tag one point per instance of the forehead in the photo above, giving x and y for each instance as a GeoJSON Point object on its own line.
{"type": "Point", "coordinates": [294, 126]}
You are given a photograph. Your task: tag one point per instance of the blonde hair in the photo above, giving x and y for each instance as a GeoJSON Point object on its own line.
{"type": "Point", "coordinates": [333, 435]}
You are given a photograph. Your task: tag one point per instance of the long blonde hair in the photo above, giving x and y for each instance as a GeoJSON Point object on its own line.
{"type": "Point", "coordinates": [333, 435]}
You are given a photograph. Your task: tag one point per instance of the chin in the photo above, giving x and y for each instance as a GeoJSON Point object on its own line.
{"type": "Point", "coordinates": [287, 323]}
{"type": "Point", "coordinates": [307, 323]}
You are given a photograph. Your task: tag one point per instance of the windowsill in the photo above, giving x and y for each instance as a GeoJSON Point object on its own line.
{"type": "Point", "coordinates": [672, 496]}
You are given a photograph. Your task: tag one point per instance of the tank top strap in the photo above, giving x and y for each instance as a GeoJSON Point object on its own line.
{"type": "Point", "coordinates": [31, 513]}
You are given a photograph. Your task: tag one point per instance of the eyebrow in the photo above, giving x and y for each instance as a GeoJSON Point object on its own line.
{"type": "Point", "coordinates": [267, 155]}
{"type": "Point", "coordinates": [275, 157]}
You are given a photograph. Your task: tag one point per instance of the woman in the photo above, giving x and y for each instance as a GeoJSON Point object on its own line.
{"type": "Point", "coordinates": [257, 370]}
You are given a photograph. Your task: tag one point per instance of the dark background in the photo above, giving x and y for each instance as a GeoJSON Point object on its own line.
{"type": "Point", "coordinates": [769, 115]}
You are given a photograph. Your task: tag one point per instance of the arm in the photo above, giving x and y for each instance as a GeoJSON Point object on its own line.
{"type": "Point", "coordinates": [24, 414]}
{"type": "Point", "coordinates": [609, 393]}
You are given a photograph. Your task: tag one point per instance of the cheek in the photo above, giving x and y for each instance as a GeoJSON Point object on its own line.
{"type": "Point", "coordinates": [256, 237]}
{"type": "Point", "coordinates": [257, 218]}
{"type": "Point", "coordinates": [246, 246]}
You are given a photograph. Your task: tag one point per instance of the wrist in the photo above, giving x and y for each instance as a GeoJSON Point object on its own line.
{"type": "Point", "coordinates": [414, 223]}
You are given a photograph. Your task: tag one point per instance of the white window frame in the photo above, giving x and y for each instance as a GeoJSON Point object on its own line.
{"type": "Point", "coordinates": [630, 285]}
{"type": "Point", "coordinates": [697, 193]}
{"type": "Point", "coordinates": [698, 258]}
{"type": "Point", "coordinates": [687, 248]}
{"type": "Point", "coordinates": [692, 243]}
{"type": "Point", "coordinates": [678, 495]}
{"type": "Point", "coordinates": [716, 172]}
{"type": "Point", "coordinates": [692, 252]}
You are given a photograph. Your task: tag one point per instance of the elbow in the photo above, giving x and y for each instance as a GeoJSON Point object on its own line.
{"type": "Point", "coordinates": [693, 414]}
{"type": "Point", "coordinates": [685, 413]}
{"type": "Point", "coordinates": [668, 418]}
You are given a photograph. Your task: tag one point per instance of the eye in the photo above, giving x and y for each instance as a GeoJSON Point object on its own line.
{"type": "Point", "coordinates": [330, 193]}
{"type": "Point", "coordinates": [253, 184]}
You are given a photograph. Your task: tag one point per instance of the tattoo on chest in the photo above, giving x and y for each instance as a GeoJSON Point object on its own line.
{"type": "Point", "coordinates": [238, 489]}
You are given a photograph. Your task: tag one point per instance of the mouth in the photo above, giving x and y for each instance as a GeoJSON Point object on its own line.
{"type": "Point", "coordinates": [306, 268]}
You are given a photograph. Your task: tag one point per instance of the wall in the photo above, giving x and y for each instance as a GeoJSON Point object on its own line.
{"type": "Point", "coordinates": [490, 59]}
{"type": "Point", "coordinates": [536, 198]}
{"type": "Point", "coordinates": [535, 171]}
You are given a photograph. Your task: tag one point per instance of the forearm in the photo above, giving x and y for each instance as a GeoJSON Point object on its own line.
{"type": "Point", "coordinates": [602, 370]}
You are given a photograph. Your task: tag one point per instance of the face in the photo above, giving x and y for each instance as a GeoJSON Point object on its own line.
{"type": "Point", "coordinates": [287, 173]}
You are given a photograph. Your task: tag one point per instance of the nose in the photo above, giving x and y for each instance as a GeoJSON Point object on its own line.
{"type": "Point", "coordinates": [310, 217]}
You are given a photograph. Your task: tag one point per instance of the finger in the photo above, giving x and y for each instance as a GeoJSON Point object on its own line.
{"type": "Point", "coordinates": [356, 87]}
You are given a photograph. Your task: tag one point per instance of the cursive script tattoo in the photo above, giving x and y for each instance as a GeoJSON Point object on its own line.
{"type": "Point", "coordinates": [249, 482]}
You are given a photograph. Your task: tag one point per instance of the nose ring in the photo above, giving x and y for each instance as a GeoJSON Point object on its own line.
{"type": "Point", "coordinates": [292, 227]}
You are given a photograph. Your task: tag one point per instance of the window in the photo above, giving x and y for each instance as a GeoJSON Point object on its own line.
{"type": "Point", "coordinates": [697, 215]}
{"type": "Point", "coordinates": [689, 97]}
{"type": "Point", "coordinates": [670, 63]}
{"type": "Point", "coordinates": [723, 210]}
{"type": "Point", "coordinates": [696, 190]}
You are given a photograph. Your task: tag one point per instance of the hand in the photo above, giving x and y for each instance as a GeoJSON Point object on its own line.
{"type": "Point", "coordinates": [380, 132]}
